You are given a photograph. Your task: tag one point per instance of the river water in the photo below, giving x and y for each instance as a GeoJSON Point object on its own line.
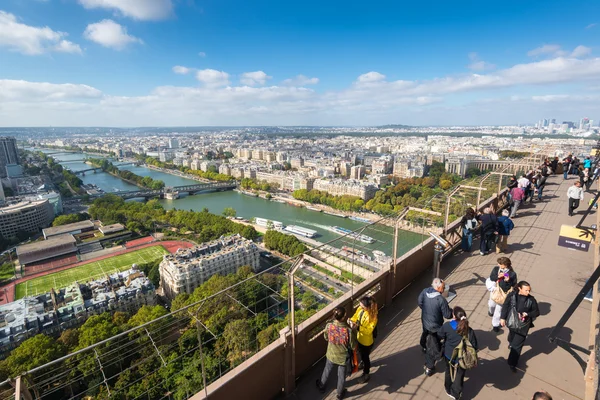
{"type": "Point", "coordinates": [249, 207]}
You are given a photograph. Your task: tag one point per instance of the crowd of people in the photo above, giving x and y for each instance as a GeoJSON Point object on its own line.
{"type": "Point", "coordinates": [446, 334]}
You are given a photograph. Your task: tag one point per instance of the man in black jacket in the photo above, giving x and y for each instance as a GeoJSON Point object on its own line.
{"type": "Point", "coordinates": [489, 230]}
{"type": "Point", "coordinates": [434, 308]}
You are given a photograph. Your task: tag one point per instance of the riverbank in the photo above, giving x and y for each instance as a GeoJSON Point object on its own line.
{"type": "Point", "coordinates": [178, 173]}
{"type": "Point", "coordinates": [116, 175]}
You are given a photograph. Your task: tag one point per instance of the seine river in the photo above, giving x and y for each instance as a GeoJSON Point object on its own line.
{"type": "Point", "coordinates": [248, 207]}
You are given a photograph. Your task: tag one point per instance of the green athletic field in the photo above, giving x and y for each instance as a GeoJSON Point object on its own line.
{"type": "Point", "coordinates": [88, 271]}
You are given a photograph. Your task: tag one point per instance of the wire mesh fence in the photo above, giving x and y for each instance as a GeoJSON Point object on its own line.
{"type": "Point", "coordinates": [230, 318]}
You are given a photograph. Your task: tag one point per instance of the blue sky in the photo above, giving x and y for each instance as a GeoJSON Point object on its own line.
{"type": "Point", "coordinates": [233, 62]}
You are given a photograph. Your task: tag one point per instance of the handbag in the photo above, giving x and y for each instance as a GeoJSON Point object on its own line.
{"type": "Point", "coordinates": [513, 322]}
{"type": "Point", "coordinates": [351, 358]}
{"type": "Point", "coordinates": [498, 295]}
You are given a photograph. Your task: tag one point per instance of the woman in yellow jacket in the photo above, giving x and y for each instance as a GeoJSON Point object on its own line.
{"type": "Point", "coordinates": [364, 323]}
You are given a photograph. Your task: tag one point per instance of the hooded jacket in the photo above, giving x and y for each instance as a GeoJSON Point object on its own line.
{"type": "Point", "coordinates": [434, 308]}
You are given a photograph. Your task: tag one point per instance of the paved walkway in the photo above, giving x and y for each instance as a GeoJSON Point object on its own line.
{"type": "Point", "coordinates": [556, 275]}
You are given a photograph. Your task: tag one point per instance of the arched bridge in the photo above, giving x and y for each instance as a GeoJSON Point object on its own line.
{"type": "Point", "coordinates": [149, 193]}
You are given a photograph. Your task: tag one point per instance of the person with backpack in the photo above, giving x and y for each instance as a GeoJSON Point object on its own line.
{"type": "Point", "coordinates": [434, 308]}
{"type": "Point", "coordinates": [460, 351]}
{"type": "Point", "coordinates": [340, 341]}
{"type": "Point", "coordinates": [501, 282]}
{"type": "Point", "coordinates": [505, 225]}
{"type": "Point", "coordinates": [489, 230]}
{"type": "Point", "coordinates": [519, 311]}
{"type": "Point", "coordinates": [468, 224]}
{"type": "Point", "coordinates": [364, 322]}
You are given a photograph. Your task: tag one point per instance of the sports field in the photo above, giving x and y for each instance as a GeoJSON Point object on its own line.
{"type": "Point", "coordinates": [86, 272]}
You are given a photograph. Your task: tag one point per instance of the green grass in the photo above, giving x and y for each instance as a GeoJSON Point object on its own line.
{"type": "Point", "coordinates": [88, 271]}
{"type": "Point", "coordinates": [7, 271]}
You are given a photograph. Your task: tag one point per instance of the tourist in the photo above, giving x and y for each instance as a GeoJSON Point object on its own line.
{"type": "Point", "coordinates": [489, 230]}
{"type": "Point", "coordinates": [541, 395]}
{"type": "Point", "coordinates": [434, 308]}
{"type": "Point", "coordinates": [505, 225]}
{"type": "Point", "coordinates": [502, 277]}
{"type": "Point", "coordinates": [364, 323]}
{"type": "Point", "coordinates": [519, 311]}
{"type": "Point", "coordinates": [566, 163]}
{"type": "Point", "coordinates": [512, 182]}
{"type": "Point", "coordinates": [523, 182]}
{"type": "Point", "coordinates": [554, 165]}
{"type": "Point", "coordinates": [540, 185]}
{"type": "Point", "coordinates": [339, 341]}
{"type": "Point", "coordinates": [468, 224]}
{"type": "Point", "coordinates": [517, 195]}
{"type": "Point", "coordinates": [530, 191]}
{"type": "Point", "coordinates": [452, 333]}
{"type": "Point", "coordinates": [575, 195]}
{"type": "Point", "coordinates": [587, 163]}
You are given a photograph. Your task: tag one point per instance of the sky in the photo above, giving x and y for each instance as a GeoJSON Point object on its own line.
{"type": "Point", "coordinates": [130, 63]}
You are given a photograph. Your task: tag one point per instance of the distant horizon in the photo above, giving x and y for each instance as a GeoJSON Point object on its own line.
{"type": "Point", "coordinates": [171, 63]}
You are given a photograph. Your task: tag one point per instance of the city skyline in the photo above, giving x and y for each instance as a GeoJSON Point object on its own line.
{"type": "Point", "coordinates": [171, 63]}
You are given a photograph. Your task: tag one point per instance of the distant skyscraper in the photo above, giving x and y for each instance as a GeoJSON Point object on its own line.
{"type": "Point", "coordinates": [553, 120]}
{"type": "Point", "coordinates": [545, 122]}
{"type": "Point", "coordinates": [173, 143]}
{"type": "Point", "coordinates": [8, 153]}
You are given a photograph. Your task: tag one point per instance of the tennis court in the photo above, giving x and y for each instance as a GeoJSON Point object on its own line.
{"type": "Point", "coordinates": [88, 271]}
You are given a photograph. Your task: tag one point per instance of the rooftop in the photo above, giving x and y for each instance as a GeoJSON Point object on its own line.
{"type": "Point", "coordinates": [45, 244]}
{"type": "Point", "coordinates": [556, 275]}
{"type": "Point", "coordinates": [58, 230]}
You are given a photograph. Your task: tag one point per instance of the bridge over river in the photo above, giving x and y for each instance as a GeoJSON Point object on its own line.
{"type": "Point", "coordinates": [159, 193]}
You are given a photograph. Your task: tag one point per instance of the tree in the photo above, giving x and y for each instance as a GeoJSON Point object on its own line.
{"type": "Point", "coordinates": [235, 342]}
{"type": "Point", "coordinates": [445, 184]}
{"type": "Point", "coordinates": [147, 314]}
{"type": "Point", "coordinates": [308, 299]}
{"type": "Point", "coordinates": [472, 171]}
{"type": "Point", "coordinates": [68, 219]}
{"type": "Point", "coordinates": [33, 352]}
{"type": "Point", "coordinates": [229, 212]}
{"type": "Point", "coordinates": [95, 329]}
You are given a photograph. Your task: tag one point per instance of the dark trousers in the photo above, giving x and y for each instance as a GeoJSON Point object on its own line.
{"type": "Point", "coordinates": [341, 375]}
{"type": "Point", "coordinates": [573, 204]}
{"type": "Point", "coordinates": [516, 342]}
{"type": "Point", "coordinates": [429, 359]}
{"type": "Point", "coordinates": [365, 357]}
{"type": "Point", "coordinates": [485, 241]}
{"type": "Point", "coordinates": [455, 387]}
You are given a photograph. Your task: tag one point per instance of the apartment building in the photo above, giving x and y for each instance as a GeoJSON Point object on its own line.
{"type": "Point", "coordinates": [341, 187]}
{"type": "Point", "coordinates": [28, 216]}
{"type": "Point", "coordinates": [187, 269]}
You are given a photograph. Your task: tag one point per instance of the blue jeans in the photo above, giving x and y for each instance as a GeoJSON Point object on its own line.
{"type": "Point", "coordinates": [341, 375]}
{"type": "Point", "coordinates": [540, 190]}
{"type": "Point", "coordinates": [565, 172]}
{"type": "Point", "coordinates": [467, 240]}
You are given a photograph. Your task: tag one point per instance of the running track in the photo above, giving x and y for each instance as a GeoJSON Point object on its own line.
{"type": "Point", "coordinates": [170, 245]}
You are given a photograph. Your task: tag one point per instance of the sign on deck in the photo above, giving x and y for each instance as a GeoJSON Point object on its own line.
{"type": "Point", "coordinates": [574, 238]}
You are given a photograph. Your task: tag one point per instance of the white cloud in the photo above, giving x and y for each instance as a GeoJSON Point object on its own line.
{"type": "Point", "coordinates": [370, 99]}
{"type": "Point", "coordinates": [202, 54]}
{"type": "Point", "coordinates": [109, 34]}
{"type": "Point", "coordinates": [148, 10]}
{"type": "Point", "coordinates": [581, 51]}
{"type": "Point", "coordinates": [590, 26]}
{"type": "Point", "coordinates": [254, 78]}
{"type": "Point", "coordinates": [370, 77]}
{"type": "Point", "coordinates": [479, 65]}
{"type": "Point", "coordinates": [44, 91]}
{"type": "Point", "coordinates": [300, 80]}
{"type": "Point", "coordinates": [31, 40]}
{"type": "Point", "coordinates": [547, 50]}
{"type": "Point", "coordinates": [212, 77]}
{"type": "Point", "coordinates": [178, 69]}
